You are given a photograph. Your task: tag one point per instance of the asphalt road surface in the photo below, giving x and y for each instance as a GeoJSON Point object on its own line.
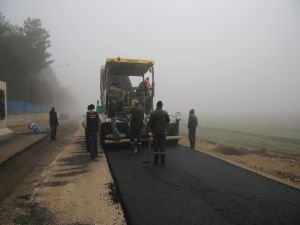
{"type": "Point", "coordinates": [194, 188]}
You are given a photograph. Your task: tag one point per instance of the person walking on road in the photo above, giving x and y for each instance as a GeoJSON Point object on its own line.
{"type": "Point", "coordinates": [136, 125]}
{"type": "Point", "coordinates": [92, 124]}
{"type": "Point", "coordinates": [53, 121]}
{"type": "Point", "coordinates": [192, 125]}
{"type": "Point", "coordinates": [84, 127]}
{"type": "Point", "coordinates": [157, 124]}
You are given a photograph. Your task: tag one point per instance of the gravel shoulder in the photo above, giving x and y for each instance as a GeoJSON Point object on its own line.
{"type": "Point", "coordinates": [77, 190]}
{"type": "Point", "coordinates": [279, 167]}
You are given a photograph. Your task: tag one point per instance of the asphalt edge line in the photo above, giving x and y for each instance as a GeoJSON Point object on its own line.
{"type": "Point", "coordinates": [22, 150]}
{"type": "Point", "coordinates": [260, 173]}
{"type": "Point", "coordinates": [125, 211]}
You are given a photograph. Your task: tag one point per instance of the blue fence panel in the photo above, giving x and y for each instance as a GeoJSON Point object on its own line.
{"type": "Point", "coordinates": [22, 107]}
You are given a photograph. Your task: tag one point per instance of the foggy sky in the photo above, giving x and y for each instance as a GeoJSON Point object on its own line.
{"type": "Point", "coordinates": [219, 57]}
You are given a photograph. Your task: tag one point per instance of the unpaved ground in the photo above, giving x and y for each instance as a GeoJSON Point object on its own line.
{"type": "Point", "coordinates": [283, 168]}
{"type": "Point", "coordinates": [77, 190]}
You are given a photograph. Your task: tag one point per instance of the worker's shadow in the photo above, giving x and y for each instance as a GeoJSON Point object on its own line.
{"type": "Point", "coordinates": [76, 163]}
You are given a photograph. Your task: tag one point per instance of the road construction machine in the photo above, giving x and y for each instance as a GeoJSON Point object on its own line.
{"type": "Point", "coordinates": [128, 81]}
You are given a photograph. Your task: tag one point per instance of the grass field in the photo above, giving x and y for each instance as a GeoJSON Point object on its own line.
{"type": "Point", "coordinates": [255, 135]}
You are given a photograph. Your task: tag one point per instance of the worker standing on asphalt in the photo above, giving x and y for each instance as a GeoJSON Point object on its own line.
{"type": "Point", "coordinates": [53, 121]}
{"type": "Point", "coordinates": [157, 124]}
{"type": "Point", "coordinates": [192, 125]}
{"type": "Point", "coordinates": [92, 123]}
{"type": "Point", "coordinates": [136, 125]}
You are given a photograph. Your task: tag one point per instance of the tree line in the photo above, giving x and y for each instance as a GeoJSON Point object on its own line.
{"type": "Point", "coordinates": [25, 63]}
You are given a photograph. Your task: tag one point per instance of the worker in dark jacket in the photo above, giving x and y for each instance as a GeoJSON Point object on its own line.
{"type": "Point", "coordinates": [157, 124]}
{"type": "Point", "coordinates": [136, 125]}
{"type": "Point", "coordinates": [92, 124]}
{"type": "Point", "coordinates": [192, 125]}
{"type": "Point", "coordinates": [113, 114]}
{"type": "Point", "coordinates": [53, 121]}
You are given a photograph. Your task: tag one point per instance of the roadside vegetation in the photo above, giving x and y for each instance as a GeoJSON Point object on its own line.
{"type": "Point", "coordinates": [255, 136]}
{"type": "Point", "coordinates": [25, 63]}
{"type": "Point", "coordinates": [267, 148]}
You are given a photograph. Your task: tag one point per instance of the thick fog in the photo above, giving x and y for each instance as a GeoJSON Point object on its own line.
{"type": "Point", "coordinates": [220, 57]}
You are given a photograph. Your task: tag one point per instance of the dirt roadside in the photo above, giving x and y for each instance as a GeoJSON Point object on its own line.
{"type": "Point", "coordinates": [279, 167]}
{"type": "Point", "coordinates": [77, 190]}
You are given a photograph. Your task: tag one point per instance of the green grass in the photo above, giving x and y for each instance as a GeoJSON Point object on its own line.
{"type": "Point", "coordinates": [254, 135]}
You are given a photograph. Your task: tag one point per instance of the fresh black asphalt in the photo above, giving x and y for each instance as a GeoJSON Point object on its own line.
{"type": "Point", "coordinates": [194, 188]}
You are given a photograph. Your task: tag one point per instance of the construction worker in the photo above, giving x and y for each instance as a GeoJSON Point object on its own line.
{"type": "Point", "coordinates": [147, 84]}
{"type": "Point", "coordinates": [83, 123]}
{"type": "Point", "coordinates": [145, 98]}
{"type": "Point", "coordinates": [117, 94]}
{"type": "Point", "coordinates": [192, 125]}
{"type": "Point", "coordinates": [53, 121]}
{"type": "Point", "coordinates": [136, 125]}
{"type": "Point", "coordinates": [92, 124]}
{"type": "Point", "coordinates": [157, 124]}
{"type": "Point", "coordinates": [113, 114]}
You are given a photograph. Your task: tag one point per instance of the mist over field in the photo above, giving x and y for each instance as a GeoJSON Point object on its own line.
{"type": "Point", "coordinates": [229, 60]}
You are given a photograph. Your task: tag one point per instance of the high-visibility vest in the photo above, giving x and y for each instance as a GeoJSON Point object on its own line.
{"type": "Point", "coordinates": [92, 121]}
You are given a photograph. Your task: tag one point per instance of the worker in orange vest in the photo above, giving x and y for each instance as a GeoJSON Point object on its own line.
{"type": "Point", "coordinates": [147, 83]}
